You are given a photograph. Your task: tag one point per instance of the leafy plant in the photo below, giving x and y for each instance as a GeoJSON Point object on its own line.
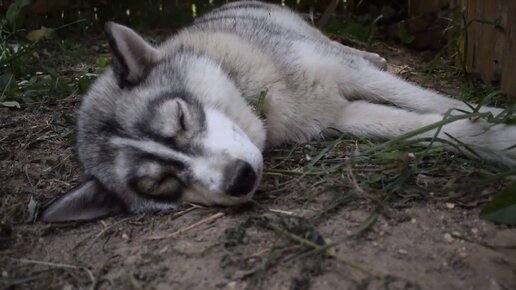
{"type": "Point", "coordinates": [458, 34]}
{"type": "Point", "coordinates": [15, 15]}
{"type": "Point", "coordinates": [502, 208]}
{"type": "Point", "coordinates": [405, 36]}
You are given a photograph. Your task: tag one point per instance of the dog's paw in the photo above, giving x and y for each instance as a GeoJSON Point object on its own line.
{"type": "Point", "coordinates": [502, 140]}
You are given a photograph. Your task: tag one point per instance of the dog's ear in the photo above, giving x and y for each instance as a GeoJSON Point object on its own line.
{"type": "Point", "coordinates": [133, 57]}
{"type": "Point", "coordinates": [87, 201]}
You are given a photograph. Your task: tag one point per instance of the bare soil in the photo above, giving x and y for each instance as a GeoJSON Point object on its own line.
{"type": "Point", "coordinates": [422, 244]}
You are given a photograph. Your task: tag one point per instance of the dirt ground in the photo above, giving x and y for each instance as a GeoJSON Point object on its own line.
{"type": "Point", "coordinates": [423, 244]}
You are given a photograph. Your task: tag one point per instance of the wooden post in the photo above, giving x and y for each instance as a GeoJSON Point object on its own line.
{"type": "Point", "coordinates": [491, 41]}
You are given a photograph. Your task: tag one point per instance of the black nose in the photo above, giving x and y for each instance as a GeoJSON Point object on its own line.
{"type": "Point", "coordinates": [240, 177]}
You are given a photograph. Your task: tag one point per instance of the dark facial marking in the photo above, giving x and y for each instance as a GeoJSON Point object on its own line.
{"type": "Point", "coordinates": [181, 118]}
{"type": "Point", "coordinates": [164, 161]}
{"type": "Point", "coordinates": [118, 62]}
{"type": "Point", "coordinates": [145, 130]}
{"type": "Point", "coordinates": [111, 127]}
{"type": "Point", "coordinates": [172, 195]}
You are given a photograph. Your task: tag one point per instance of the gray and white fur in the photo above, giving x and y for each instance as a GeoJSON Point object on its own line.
{"type": "Point", "coordinates": [178, 122]}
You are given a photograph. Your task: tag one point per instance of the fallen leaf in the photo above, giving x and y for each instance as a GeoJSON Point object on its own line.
{"type": "Point", "coordinates": [10, 104]}
{"type": "Point", "coordinates": [14, 13]}
{"type": "Point", "coordinates": [502, 208]}
{"type": "Point", "coordinates": [32, 208]}
{"type": "Point", "coordinates": [39, 34]}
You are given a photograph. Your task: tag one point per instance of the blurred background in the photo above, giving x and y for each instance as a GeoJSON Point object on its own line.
{"type": "Point", "coordinates": [477, 37]}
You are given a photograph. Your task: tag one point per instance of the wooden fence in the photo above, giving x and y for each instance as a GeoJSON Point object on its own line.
{"type": "Point", "coordinates": [491, 41]}
{"type": "Point", "coordinates": [490, 45]}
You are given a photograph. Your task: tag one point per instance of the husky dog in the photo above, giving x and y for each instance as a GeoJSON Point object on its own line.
{"type": "Point", "coordinates": [180, 121]}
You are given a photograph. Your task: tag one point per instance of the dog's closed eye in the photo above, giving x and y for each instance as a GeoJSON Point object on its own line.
{"type": "Point", "coordinates": [165, 187]}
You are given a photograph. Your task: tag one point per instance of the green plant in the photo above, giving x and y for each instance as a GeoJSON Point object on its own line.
{"type": "Point", "coordinates": [15, 15]}
{"type": "Point", "coordinates": [458, 34]}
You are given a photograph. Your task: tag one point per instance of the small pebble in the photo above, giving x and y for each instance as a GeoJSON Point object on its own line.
{"type": "Point", "coordinates": [5, 274]}
{"type": "Point", "coordinates": [402, 251]}
{"type": "Point", "coordinates": [413, 220]}
{"type": "Point", "coordinates": [456, 234]}
{"type": "Point", "coordinates": [448, 237]}
{"type": "Point", "coordinates": [125, 236]}
{"type": "Point", "coordinates": [231, 285]}
{"type": "Point", "coordinates": [411, 155]}
{"type": "Point", "coordinates": [450, 205]}
{"type": "Point", "coordinates": [462, 252]}
{"type": "Point", "coordinates": [474, 231]}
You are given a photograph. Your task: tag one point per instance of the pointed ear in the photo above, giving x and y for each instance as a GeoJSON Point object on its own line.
{"type": "Point", "coordinates": [133, 57]}
{"type": "Point", "coordinates": [87, 201]}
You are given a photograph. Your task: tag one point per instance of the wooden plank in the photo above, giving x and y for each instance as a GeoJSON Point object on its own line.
{"type": "Point", "coordinates": [491, 49]}
{"type": "Point", "coordinates": [508, 60]}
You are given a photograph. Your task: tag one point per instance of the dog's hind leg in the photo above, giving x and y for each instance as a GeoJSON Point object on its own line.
{"type": "Point", "coordinates": [491, 142]}
{"type": "Point", "coordinates": [371, 84]}
{"type": "Point", "coordinates": [374, 58]}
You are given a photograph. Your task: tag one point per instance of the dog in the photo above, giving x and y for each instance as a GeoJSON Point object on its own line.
{"type": "Point", "coordinates": [188, 120]}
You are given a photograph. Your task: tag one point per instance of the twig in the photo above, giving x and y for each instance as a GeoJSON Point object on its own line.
{"type": "Point", "coordinates": [134, 282]}
{"type": "Point", "coordinates": [278, 229]}
{"type": "Point", "coordinates": [102, 232]}
{"type": "Point", "coordinates": [259, 253]}
{"type": "Point", "coordinates": [57, 265]}
{"type": "Point", "coordinates": [25, 170]}
{"type": "Point", "coordinates": [484, 244]}
{"type": "Point", "coordinates": [281, 211]}
{"type": "Point", "coordinates": [279, 172]}
{"type": "Point", "coordinates": [386, 211]}
{"type": "Point", "coordinates": [53, 102]}
{"type": "Point", "coordinates": [183, 212]}
{"type": "Point", "coordinates": [180, 231]}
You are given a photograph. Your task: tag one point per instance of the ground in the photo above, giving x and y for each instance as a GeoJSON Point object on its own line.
{"type": "Point", "coordinates": [399, 218]}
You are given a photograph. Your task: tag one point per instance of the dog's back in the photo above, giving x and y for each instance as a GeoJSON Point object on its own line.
{"type": "Point", "coordinates": [268, 48]}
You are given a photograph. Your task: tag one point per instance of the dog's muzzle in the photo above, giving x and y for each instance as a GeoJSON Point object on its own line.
{"type": "Point", "coordinates": [240, 178]}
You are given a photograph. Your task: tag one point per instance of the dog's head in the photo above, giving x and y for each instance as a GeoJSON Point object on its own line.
{"type": "Point", "coordinates": [146, 141]}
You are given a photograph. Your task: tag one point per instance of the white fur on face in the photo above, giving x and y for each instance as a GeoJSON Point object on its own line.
{"type": "Point", "coordinates": [225, 136]}
{"type": "Point", "coordinates": [224, 143]}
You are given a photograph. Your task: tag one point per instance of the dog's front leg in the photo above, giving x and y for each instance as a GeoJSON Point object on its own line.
{"type": "Point", "coordinates": [491, 142]}
{"type": "Point", "coordinates": [373, 85]}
